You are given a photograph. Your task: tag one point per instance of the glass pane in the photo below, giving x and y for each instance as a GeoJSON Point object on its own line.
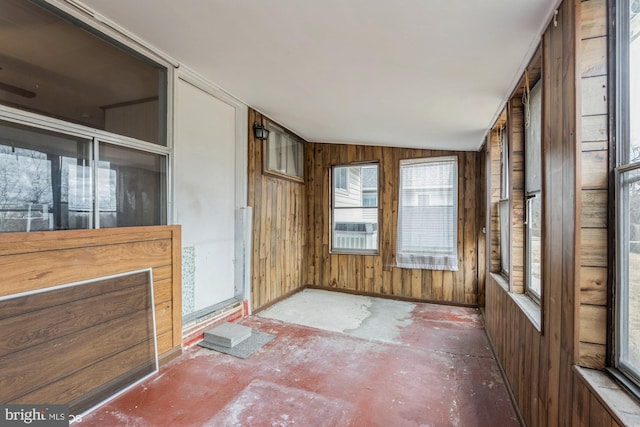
{"type": "Point", "coordinates": [427, 219]}
{"type": "Point", "coordinates": [45, 180]}
{"type": "Point", "coordinates": [357, 185]}
{"type": "Point", "coordinates": [505, 247]}
{"type": "Point", "coordinates": [294, 151]}
{"type": "Point", "coordinates": [534, 245]}
{"type": "Point", "coordinates": [533, 140]}
{"type": "Point", "coordinates": [54, 67]}
{"type": "Point", "coordinates": [634, 83]}
{"type": "Point", "coordinates": [355, 213]}
{"type": "Point", "coordinates": [504, 165]}
{"type": "Point", "coordinates": [630, 270]}
{"type": "Point", "coordinates": [355, 229]}
{"type": "Point", "coordinates": [340, 178]}
{"type": "Point", "coordinates": [131, 187]}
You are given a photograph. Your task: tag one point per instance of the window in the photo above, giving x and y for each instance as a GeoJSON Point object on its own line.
{"type": "Point", "coordinates": [503, 205]}
{"type": "Point", "coordinates": [61, 68]}
{"type": "Point", "coordinates": [355, 212]}
{"type": "Point", "coordinates": [533, 191]}
{"type": "Point", "coordinates": [56, 171]}
{"type": "Point", "coordinates": [428, 214]}
{"type": "Point", "coordinates": [47, 182]}
{"type": "Point", "coordinates": [131, 187]}
{"type": "Point", "coordinates": [341, 179]}
{"type": "Point", "coordinates": [627, 351]}
{"type": "Point", "coordinates": [370, 186]}
{"type": "Point", "coordinates": [284, 154]}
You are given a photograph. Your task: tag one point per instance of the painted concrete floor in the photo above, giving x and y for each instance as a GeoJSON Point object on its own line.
{"type": "Point", "coordinates": [337, 360]}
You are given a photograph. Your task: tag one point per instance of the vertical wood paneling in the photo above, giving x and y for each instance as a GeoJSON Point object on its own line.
{"type": "Point", "coordinates": [538, 364]}
{"type": "Point", "coordinates": [280, 261]}
{"type": "Point", "coordinates": [590, 411]}
{"type": "Point", "coordinates": [593, 263]}
{"type": "Point", "coordinates": [377, 274]}
{"type": "Point", "coordinates": [517, 196]}
{"type": "Point", "coordinates": [517, 345]}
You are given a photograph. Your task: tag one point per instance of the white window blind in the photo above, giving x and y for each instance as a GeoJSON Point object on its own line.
{"type": "Point", "coordinates": [428, 214]}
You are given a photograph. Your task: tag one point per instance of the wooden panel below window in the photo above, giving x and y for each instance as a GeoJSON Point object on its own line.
{"type": "Point", "coordinates": [34, 261]}
{"type": "Point", "coordinates": [76, 345]}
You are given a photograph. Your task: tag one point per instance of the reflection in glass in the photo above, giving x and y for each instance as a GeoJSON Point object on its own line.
{"type": "Point", "coordinates": [534, 242]}
{"type": "Point", "coordinates": [284, 154]}
{"type": "Point", "coordinates": [634, 82]}
{"type": "Point", "coordinates": [355, 208]}
{"type": "Point", "coordinates": [58, 68]}
{"type": "Point", "coordinates": [45, 180]}
{"type": "Point", "coordinates": [131, 187]}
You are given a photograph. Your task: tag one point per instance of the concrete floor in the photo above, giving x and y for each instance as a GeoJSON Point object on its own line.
{"type": "Point", "coordinates": [337, 360]}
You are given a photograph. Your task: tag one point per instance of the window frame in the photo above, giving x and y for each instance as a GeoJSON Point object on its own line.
{"type": "Point", "coordinates": [94, 138]}
{"type": "Point", "coordinates": [288, 146]}
{"type": "Point", "coordinates": [121, 42]}
{"type": "Point", "coordinates": [430, 260]}
{"type": "Point", "coordinates": [345, 189]}
{"type": "Point", "coordinates": [629, 376]}
{"type": "Point", "coordinates": [529, 199]}
{"type": "Point", "coordinates": [166, 99]}
{"type": "Point", "coordinates": [333, 207]}
{"type": "Point", "coordinates": [504, 204]}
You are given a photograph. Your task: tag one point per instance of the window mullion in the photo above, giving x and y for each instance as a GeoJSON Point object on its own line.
{"type": "Point", "coordinates": [96, 182]}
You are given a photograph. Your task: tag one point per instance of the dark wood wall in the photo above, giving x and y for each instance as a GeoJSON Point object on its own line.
{"type": "Point", "coordinates": [540, 365]}
{"type": "Point", "coordinates": [378, 274]}
{"type": "Point", "coordinates": [279, 228]}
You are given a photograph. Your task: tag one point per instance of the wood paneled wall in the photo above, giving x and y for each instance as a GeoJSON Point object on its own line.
{"type": "Point", "coordinates": [377, 274]}
{"type": "Point", "coordinates": [538, 365]}
{"type": "Point", "coordinates": [31, 261]}
{"type": "Point", "coordinates": [518, 347]}
{"type": "Point", "coordinates": [594, 185]}
{"type": "Point", "coordinates": [279, 258]}
{"type": "Point", "coordinates": [77, 345]}
{"type": "Point", "coordinates": [542, 367]}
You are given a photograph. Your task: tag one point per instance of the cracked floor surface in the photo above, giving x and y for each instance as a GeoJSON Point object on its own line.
{"type": "Point", "coordinates": [386, 363]}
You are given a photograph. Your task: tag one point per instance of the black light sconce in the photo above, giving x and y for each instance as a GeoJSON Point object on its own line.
{"type": "Point", "coordinates": [260, 132]}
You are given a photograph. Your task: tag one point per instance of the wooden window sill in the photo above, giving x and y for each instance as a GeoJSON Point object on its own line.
{"type": "Point", "coordinates": [526, 304]}
{"type": "Point", "coordinates": [617, 400]}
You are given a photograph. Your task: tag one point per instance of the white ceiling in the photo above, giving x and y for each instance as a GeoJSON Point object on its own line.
{"type": "Point", "coordinates": [407, 73]}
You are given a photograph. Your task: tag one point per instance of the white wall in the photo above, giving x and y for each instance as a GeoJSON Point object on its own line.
{"type": "Point", "coordinates": [206, 148]}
